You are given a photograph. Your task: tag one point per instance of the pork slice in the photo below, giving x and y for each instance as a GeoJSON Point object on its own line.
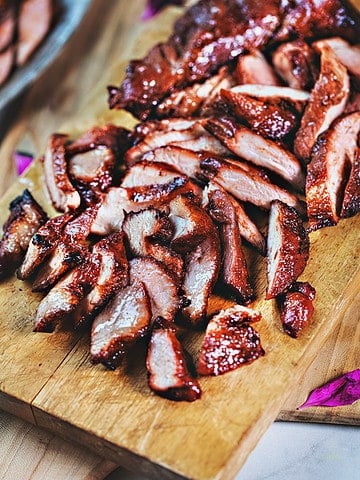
{"type": "Point", "coordinates": [349, 55]}
{"type": "Point", "coordinates": [166, 363]}
{"type": "Point", "coordinates": [296, 63]}
{"type": "Point", "coordinates": [257, 149]}
{"type": "Point", "coordinates": [275, 119]}
{"type": "Point", "coordinates": [63, 195]}
{"type": "Point", "coordinates": [164, 125]}
{"type": "Point", "coordinates": [234, 273]}
{"type": "Point", "coordinates": [287, 248]}
{"type": "Point", "coordinates": [296, 308]}
{"type": "Point", "coordinates": [172, 261]}
{"type": "Point", "coordinates": [298, 98]}
{"type": "Point", "coordinates": [125, 319]}
{"type": "Point", "coordinates": [202, 266]}
{"type": "Point", "coordinates": [327, 171]}
{"type": "Point", "coordinates": [110, 257]}
{"type": "Point", "coordinates": [42, 243]}
{"type": "Point", "coordinates": [6, 63]}
{"type": "Point", "coordinates": [247, 228]}
{"type": "Point", "coordinates": [327, 102]}
{"type": "Point", "coordinates": [64, 297]}
{"type": "Point", "coordinates": [184, 160]}
{"type": "Point", "coordinates": [206, 142]}
{"type": "Point", "coordinates": [7, 26]}
{"type": "Point", "coordinates": [25, 218]}
{"type": "Point", "coordinates": [246, 184]}
{"type": "Point", "coordinates": [253, 68]}
{"type": "Point", "coordinates": [34, 21]}
{"type": "Point", "coordinates": [161, 288]}
{"type": "Point", "coordinates": [351, 202]}
{"type": "Point", "coordinates": [230, 341]}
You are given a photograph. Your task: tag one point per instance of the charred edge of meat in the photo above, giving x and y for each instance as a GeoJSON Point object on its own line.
{"type": "Point", "coordinates": [25, 218]}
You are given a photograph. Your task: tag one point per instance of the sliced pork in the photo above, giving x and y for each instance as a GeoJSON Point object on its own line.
{"type": "Point", "coordinates": [25, 218]}
{"type": "Point", "coordinates": [287, 248]}
{"type": "Point", "coordinates": [333, 154]}
{"type": "Point", "coordinates": [166, 363]}
{"type": "Point", "coordinates": [230, 341]}
{"type": "Point", "coordinates": [351, 201]}
{"type": "Point", "coordinates": [253, 68]}
{"type": "Point", "coordinates": [349, 55]}
{"type": "Point", "coordinates": [296, 308]}
{"type": "Point", "coordinates": [257, 149]}
{"type": "Point", "coordinates": [327, 102]}
{"type": "Point", "coordinates": [124, 320]}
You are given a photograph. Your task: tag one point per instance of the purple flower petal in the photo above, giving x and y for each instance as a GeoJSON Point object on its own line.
{"type": "Point", "coordinates": [153, 7]}
{"type": "Point", "coordinates": [343, 390]}
{"type": "Point", "coordinates": [22, 161]}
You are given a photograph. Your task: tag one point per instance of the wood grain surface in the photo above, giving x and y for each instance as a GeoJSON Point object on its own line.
{"type": "Point", "coordinates": [118, 417]}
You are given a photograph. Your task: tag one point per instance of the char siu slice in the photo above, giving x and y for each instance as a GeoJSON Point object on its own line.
{"type": "Point", "coordinates": [349, 55]}
{"type": "Point", "coordinates": [296, 307]}
{"type": "Point", "coordinates": [42, 244]}
{"type": "Point", "coordinates": [327, 170]}
{"type": "Point", "coordinates": [34, 22]}
{"type": "Point", "coordinates": [63, 195]}
{"type": "Point", "coordinates": [230, 341]}
{"type": "Point", "coordinates": [257, 149]}
{"type": "Point", "coordinates": [191, 100]}
{"type": "Point", "coordinates": [295, 97]}
{"type": "Point", "coordinates": [6, 63]}
{"type": "Point", "coordinates": [296, 63]}
{"type": "Point", "coordinates": [166, 363]}
{"type": "Point", "coordinates": [233, 273]}
{"type": "Point", "coordinates": [25, 218]}
{"type": "Point", "coordinates": [124, 320]}
{"type": "Point", "coordinates": [327, 102]}
{"type": "Point", "coordinates": [7, 24]}
{"type": "Point", "coordinates": [113, 137]}
{"type": "Point", "coordinates": [246, 182]}
{"type": "Point", "coordinates": [161, 288]}
{"type": "Point", "coordinates": [109, 253]}
{"type": "Point", "coordinates": [183, 160]}
{"type": "Point", "coordinates": [276, 120]}
{"type": "Point", "coordinates": [287, 248]}
{"type": "Point", "coordinates": [351, 201]}
{"type": "Point", "coordinates": [148, 233]}
{"type": "Point", "coordinates": [253, 68]}
{"type": "Point", "coordinates": [247, 228]}
{"type": "Point", "coordinates": [142, 129]}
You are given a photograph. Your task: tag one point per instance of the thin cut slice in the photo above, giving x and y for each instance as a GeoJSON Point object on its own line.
{"type": "Point", "coordinates": [230, 341]}
{"type": "Point", "coordinates": [287, 247]}
{"type": "Point", "coordinates": [124, 320]}
{"type": "Point", "coordinates": [253, 68]}
{"type": "Point", "coordinates": [166, 363]}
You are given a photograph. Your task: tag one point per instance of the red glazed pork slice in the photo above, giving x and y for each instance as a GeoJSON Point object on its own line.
{"type": "Point", "coordinates": [166, 363]}
{"type": "Point", "coordinates": [229, 341]}
{"type": "Point", "coordinates": [25, 219]}
{"type": "Point", "coordinates": [349, 55]}
{"type": "Point", "coordinates": [326, 175]}
{"type": "Point", "coordinates": [351, 202]}
{"type": "Point", "coordinates": [124, 320]}
{"type": "Point", "coordinates": [253, 68]}
{"type": "Point", "coordinates": [287, 248]}
{"type": "Point", "coordinates": [327, 102]}
{"type": "Point", "coordinates": [6, 63]}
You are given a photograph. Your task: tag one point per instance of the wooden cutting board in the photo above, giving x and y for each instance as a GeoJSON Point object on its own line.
{"type": "Point", "coordinates": [47, 379]}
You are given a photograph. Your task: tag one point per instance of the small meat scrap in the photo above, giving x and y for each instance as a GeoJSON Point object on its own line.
{"type": "Point", "coordinates": [287, 247]}
{"type": "Point", "coordinates": [166, 363]}
{"type": "Point", "coordinates": [230, 341]}
{"type": "Point", "coordinates": [296, 307]}
{"type": "Point", "coordinates": [327, 102]}
{"type": "Point", "coordinates": [124, 320]}
{"type": "Point", "coordinates": [333, 155]}
{"type": "Point", "coordinates": [26, 217]}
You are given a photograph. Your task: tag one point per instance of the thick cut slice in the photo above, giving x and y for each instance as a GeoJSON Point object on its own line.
{"type": "Point", "coordinates": [351, 201]}
{"type": "Point", "coordinates": [257, 149]}
{"type": "Point", "coordinates": [246, 182]}
{"type": "Point", "coordinates": [327, 171]}
{"type": "Point", "coordinates": [234, 273]}
{"type": "Point", "coordinates": [253, 68]}
{"type": "Point", "coordinates": [166, 363]}
{"type": "Point", "coordinates": [63, 195]}
{"type": "Point", "coordinates": [6, 63]}
{"type": "Point", "coordinates": [25, 219]}
{"type": "Point", "coordinates": [7, 24]}
{"type": "Point", "coordinates": [349, 55]}
{"type": "Point", "coordinates": [230, 341]}
{"type": "Point", "coordinates": [327, 102]}
{"type": "Point", "coordinates": [124, 320]}
{"type": "Point", "coordinates": [295, 62]}
{"type": "Point", "coordinates": [296, 97]}
{"type": "Point", "coordinates": [184, 160]}
{"type": "Point", "coordinates": [287, 248]}
{"type": "Point", "coordinates": [296, 308]}
{"type": "Point", "coordinates": [160, 286]}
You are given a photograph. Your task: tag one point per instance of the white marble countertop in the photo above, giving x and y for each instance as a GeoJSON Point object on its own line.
{"type": "Point", "coordinates": [297, 451]}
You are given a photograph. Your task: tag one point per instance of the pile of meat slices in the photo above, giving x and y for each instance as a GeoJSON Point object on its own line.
{"type": "Point", "coordinates": [152, 221]}
{"type": "Point", "coordinates": [23, 26]}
